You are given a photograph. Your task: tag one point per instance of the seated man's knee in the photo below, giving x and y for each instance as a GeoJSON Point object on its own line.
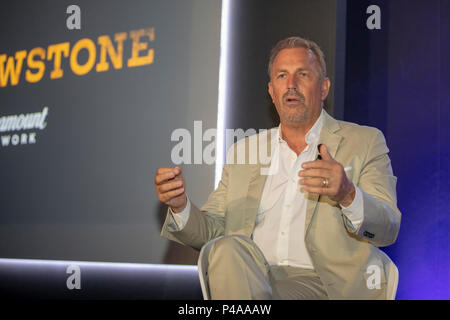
{"type": "Point", "coordinates": [229, 245]}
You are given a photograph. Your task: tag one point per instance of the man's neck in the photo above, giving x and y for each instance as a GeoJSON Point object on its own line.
{"type": "Point", "coordinates": [295, 134]}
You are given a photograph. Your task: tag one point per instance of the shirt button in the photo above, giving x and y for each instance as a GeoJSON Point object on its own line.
{"type": "Point", "coordinates": [288, 205]}
{"type": "Point", "coordinates": [282, 233]}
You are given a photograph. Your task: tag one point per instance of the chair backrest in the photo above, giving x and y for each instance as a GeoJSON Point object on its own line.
{"type": "Point", "coordinates": [392, 275]}
{"type": "Point", "coordinates": [203, 264]}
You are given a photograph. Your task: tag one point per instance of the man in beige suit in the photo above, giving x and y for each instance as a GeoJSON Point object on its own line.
{"type": "Point", "coordinates": [307, 224]}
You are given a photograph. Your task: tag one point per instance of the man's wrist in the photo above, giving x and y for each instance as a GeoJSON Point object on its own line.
{"type": "Point", "coordinates": [350, 196]}
{"type": "Point", "coordinates": [178, 209]}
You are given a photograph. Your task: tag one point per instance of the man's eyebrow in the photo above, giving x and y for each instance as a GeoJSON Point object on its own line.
{"type": "Point", "coordinates": [296, 70]}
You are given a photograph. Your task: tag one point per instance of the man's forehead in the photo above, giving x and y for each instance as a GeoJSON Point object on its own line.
{"type": "Point", "coordinates": [290, 55]}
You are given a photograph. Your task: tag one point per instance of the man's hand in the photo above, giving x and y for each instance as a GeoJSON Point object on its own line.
{"type": "Point", "coordinates": [170, 187]}
{"type": "Point", "coordinates": [314, 173]}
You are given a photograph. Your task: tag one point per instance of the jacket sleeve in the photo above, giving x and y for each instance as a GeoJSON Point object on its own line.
{"type": "Point", "coordinates": [381, 221]}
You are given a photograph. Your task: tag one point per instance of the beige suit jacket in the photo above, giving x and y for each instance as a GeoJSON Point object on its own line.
{"type": "Point", "coordinates": [343, 257]}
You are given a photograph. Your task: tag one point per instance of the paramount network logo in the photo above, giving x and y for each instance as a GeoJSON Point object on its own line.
{"type": "Point", "coordinates": [22, 122]}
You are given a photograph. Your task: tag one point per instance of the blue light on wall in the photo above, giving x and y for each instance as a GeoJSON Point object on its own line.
{"type": "Point", "coordinates": [397, 80]}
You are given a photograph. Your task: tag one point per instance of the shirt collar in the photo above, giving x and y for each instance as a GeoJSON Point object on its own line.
{"type": "Point", "coordinates": [312, 136]}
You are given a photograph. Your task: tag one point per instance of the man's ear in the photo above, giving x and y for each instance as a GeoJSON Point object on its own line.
{"type": "Point", "coordinates": [326, 83]}
{"type": "Point", "coordinates": [270, 89]}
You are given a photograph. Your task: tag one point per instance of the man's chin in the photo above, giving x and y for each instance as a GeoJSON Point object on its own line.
{"type": "Point", "coordinates": [298, 117]}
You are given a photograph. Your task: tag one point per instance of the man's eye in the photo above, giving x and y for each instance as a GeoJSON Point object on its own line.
{"type": "Point", "coordinates": [303, 74]}
{"type": "Point", "coordinates": [282, 76]}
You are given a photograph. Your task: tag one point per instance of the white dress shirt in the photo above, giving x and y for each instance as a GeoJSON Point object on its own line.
{"type": "Point", "coordinates": [280, 222]}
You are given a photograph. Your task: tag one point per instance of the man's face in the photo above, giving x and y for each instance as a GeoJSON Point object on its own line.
{"type": "Point", "coordinates": [297, 88]}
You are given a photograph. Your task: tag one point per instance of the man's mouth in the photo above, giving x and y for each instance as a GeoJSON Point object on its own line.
{"type": "Point", "coordinates": [292, 97]}
{"type": "Point", "coordinates": [292, 100]}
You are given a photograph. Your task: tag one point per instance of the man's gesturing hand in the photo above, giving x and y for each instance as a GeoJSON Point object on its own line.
{"type": "Point", "coordinates": [170, 187]}
{"type": "Point", "coordinates": [314, 173]}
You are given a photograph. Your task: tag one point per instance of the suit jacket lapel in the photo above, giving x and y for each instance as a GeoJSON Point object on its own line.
{"type": "Point", "coordinates": [255, 189]}
{"type": "Point", "coordinates": [332, 140]}
{"type": "Point", "coordinates": [257, 182]}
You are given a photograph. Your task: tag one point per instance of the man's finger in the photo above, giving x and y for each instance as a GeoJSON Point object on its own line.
{"type": "Point", "coordinates": [311, 182]}
{"type": "Point", "coordinates": [177, 170]}
{"type": "Point", "coordinates": [172, 194]}
{"type": "Point", "coordinates": [163, 170]}
{"type": "Point", "coordinates": [170, 186]}
{"type": "Point", "coordinates": [317, 190]}
{"type": "Point", "coordinates": [324, 153]}
{"type": "Point", "coordinates": [163, 177]}
{"type": "Point", "coordinates": [320, 173]}
{"type": "Point", "coordinates": [316, 164]}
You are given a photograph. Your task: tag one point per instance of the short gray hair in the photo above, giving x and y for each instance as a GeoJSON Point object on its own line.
{"type": "Point", "coordinates": [297, 42]}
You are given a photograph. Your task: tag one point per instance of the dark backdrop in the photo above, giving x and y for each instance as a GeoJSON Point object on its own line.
{"type": "Point", "coordinates": [397, 79]}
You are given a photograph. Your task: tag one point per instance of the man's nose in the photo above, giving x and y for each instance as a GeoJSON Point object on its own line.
{"type": "Point", "coordinates": [291, 83]}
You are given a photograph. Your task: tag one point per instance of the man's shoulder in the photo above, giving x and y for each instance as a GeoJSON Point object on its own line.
{"type": "Point", "coordinates": [351, 129]}
{"type": "Point", "coordinates": [362, 137]}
